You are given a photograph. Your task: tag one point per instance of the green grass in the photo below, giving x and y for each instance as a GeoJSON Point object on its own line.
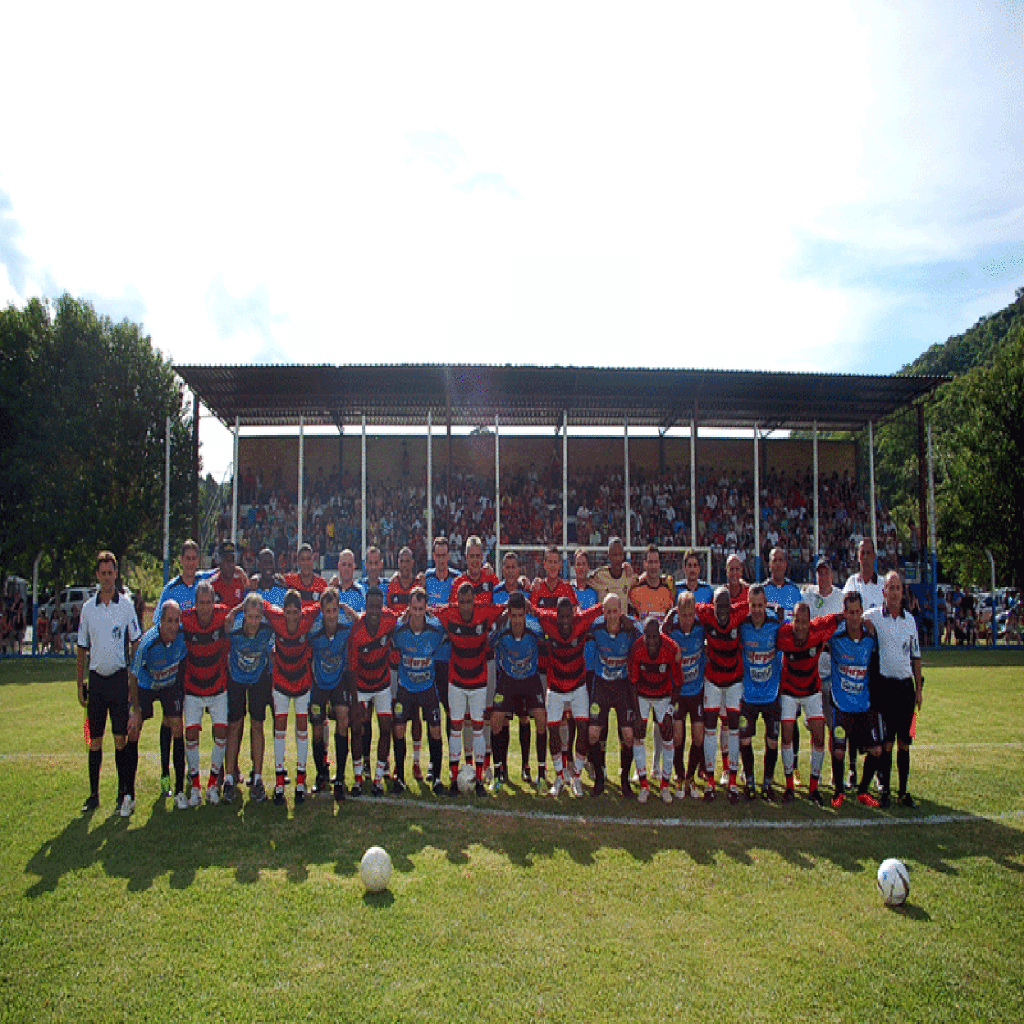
{"type": "Point", "coordinates": [591, 910]}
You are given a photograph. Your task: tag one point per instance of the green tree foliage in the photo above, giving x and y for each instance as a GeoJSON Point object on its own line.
{"type": "Point", "coordinates": [970, 356]}
{"type": "Point", "coordinates": [83, 405]}
{"type": "Point", "coordinates": [983, 491]}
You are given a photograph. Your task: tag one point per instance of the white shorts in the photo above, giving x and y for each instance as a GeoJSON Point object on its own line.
{"type": "Point", "coordinates": [377, 700]}
{"type": "Point", "coordinates": [463, 704]}
{"type": "Point", "coordinates": [812, 707]}
{"type": "Point", "coordinates": [194, 706]}
{"type": "Point", "coordinates": [282, 700]}
{"type": "Point", "coordinates": [715, 695]}
{"type": "Point", "coordinates": [661, 706]}
{"type": "Point", "coordinates": [575, 700]}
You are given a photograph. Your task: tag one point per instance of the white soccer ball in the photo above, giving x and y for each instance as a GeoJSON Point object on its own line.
{"type": "Point", "coordinates": [467, 778]}
{"type": "Point", "coordinates": [894, 882]}
{"type": "Point", "coordinates": [375, 869]}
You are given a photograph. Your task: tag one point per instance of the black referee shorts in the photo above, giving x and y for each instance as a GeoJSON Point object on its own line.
{"type": "Point", "coordinates": [894, 700]}
{"type": "Point", "coordinates": [108, 695]}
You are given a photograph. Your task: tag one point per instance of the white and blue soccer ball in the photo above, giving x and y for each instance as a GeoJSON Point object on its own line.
{"type": "Point", "coordinates": [467, 778]}
{"type": "Point", "coordinates": [893, 882]}
{"type": "Point", "coordinates": [375, 869]}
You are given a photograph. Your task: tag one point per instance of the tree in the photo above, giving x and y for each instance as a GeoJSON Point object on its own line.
{"type": "Point", "coordinates": [83, 425]}
{"type": "Point", "coordinates": [983, 457]}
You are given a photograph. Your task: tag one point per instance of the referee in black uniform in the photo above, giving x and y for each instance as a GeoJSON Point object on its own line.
{"type": "Point", "coordinates": [900, 685]}
{"type": "Point", "coordinates": [107, 637]}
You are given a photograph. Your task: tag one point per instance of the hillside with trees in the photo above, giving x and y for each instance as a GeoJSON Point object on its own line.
{"type": "Point", "coordinates": [977, 423]}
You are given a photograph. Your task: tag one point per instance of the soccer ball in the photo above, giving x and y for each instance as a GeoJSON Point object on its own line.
{"type": "Point", "coordinates": [467, 778]}
{"type": "Point", "coordinates": [894, 882]}
{"type": "Point", "coordinates": [375, 869]}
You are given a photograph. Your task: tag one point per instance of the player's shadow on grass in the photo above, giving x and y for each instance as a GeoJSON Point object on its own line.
{"type": "Point", "coordinates": [259, 841]}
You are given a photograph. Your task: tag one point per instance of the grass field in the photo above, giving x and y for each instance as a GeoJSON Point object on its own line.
{"type": "Point", "coordinates": [516, 907]}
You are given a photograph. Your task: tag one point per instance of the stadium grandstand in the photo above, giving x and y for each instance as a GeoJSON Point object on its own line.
{"type": "Point", "coordinates": [672, 486]}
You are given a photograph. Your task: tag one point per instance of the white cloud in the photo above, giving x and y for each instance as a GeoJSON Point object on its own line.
{"type": "Point", "coordinates": [811, 186]}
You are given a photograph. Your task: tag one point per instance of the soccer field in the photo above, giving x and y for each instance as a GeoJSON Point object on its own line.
{"type": "Point", "coordinates": [516, 907]}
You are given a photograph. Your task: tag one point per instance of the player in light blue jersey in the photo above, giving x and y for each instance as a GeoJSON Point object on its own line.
{"type": "Point", "coordinates": [613, 634]}
{"type": "Point", "coordinates": [438, 580]}
{"type": "Point", "coordinates": [352, 594]}
{"type": "Point", "coordinates": [331, 693]}
{"type": "Point", "coordinates": [853, 722]}
{"type": "Point", "coordinates": [155, 675]}
{"type": "Point", "coordinates": [515, 641]}
{"type": "Point", "coordinates": [182, 588]}
{"type": "Point", "coordinates": [779, 589]}
{"type": "Point", "coordinates": [701, 590]}
{"type": "Point", "coordinates": [250, 690]}
{"type": "Point", "coordinates": [781, 592]}
{"type": "Point", "coordinates": [417, 640]}
{"type": "Point", "coordinates": [266, 582]}
{"type": "Point", "coordinates": [760, 690]}
{"type": "Point", "coordinates": [682, 626]}
{"type": "Point", "coordinates": [512, 582]}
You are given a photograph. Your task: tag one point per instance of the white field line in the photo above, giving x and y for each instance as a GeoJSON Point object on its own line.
{"type": "Point", "coordinates": [446, 807]}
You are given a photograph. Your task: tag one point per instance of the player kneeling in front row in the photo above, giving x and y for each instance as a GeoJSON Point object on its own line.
{"type": "Point", "coordinates": [654, 674]}
{"type": "Point", "coordinates": [156, 675]}
{"type": "Point", "coordinates": [854, 724]}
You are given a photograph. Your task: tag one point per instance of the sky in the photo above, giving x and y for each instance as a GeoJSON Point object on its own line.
{"type": "Point", "coordinates": [802, 186]}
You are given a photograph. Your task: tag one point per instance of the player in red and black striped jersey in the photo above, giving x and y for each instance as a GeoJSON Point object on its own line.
{"type": "Point", "coordinates": [468, 625]}
{"type": "Point", "coordinates": [229, 583]}
{"type": "Point", "coordinates": [654, 674]}
{"type": "Point", "coordinates": [544, 593]}
{"type": "Point", "coordinates": [369, 653]}
{"type": "Point", "coordinates": [483, 581]}
{"type": "Point", "coordinates": [479, 576]}
{"type": "Point", "coordinates": [801, 643]}
{"type": "Point", "coordinates": [565, 635]}
{"type": "Point", "coordinates": [205, 682]}
{"type": "Point", "coordinates": [292, 680]}
{"type": "Point", "coordinates": [310, 586]}
{"type": "Point", "coordinates": [723, 680]}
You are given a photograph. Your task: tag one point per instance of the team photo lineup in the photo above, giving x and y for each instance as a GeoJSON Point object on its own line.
{"type": "Point", "coordinates": [669, 675]}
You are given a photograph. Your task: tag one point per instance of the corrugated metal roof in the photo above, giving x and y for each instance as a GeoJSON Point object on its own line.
{"type": "Point", "coordinates": [471, 395]}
